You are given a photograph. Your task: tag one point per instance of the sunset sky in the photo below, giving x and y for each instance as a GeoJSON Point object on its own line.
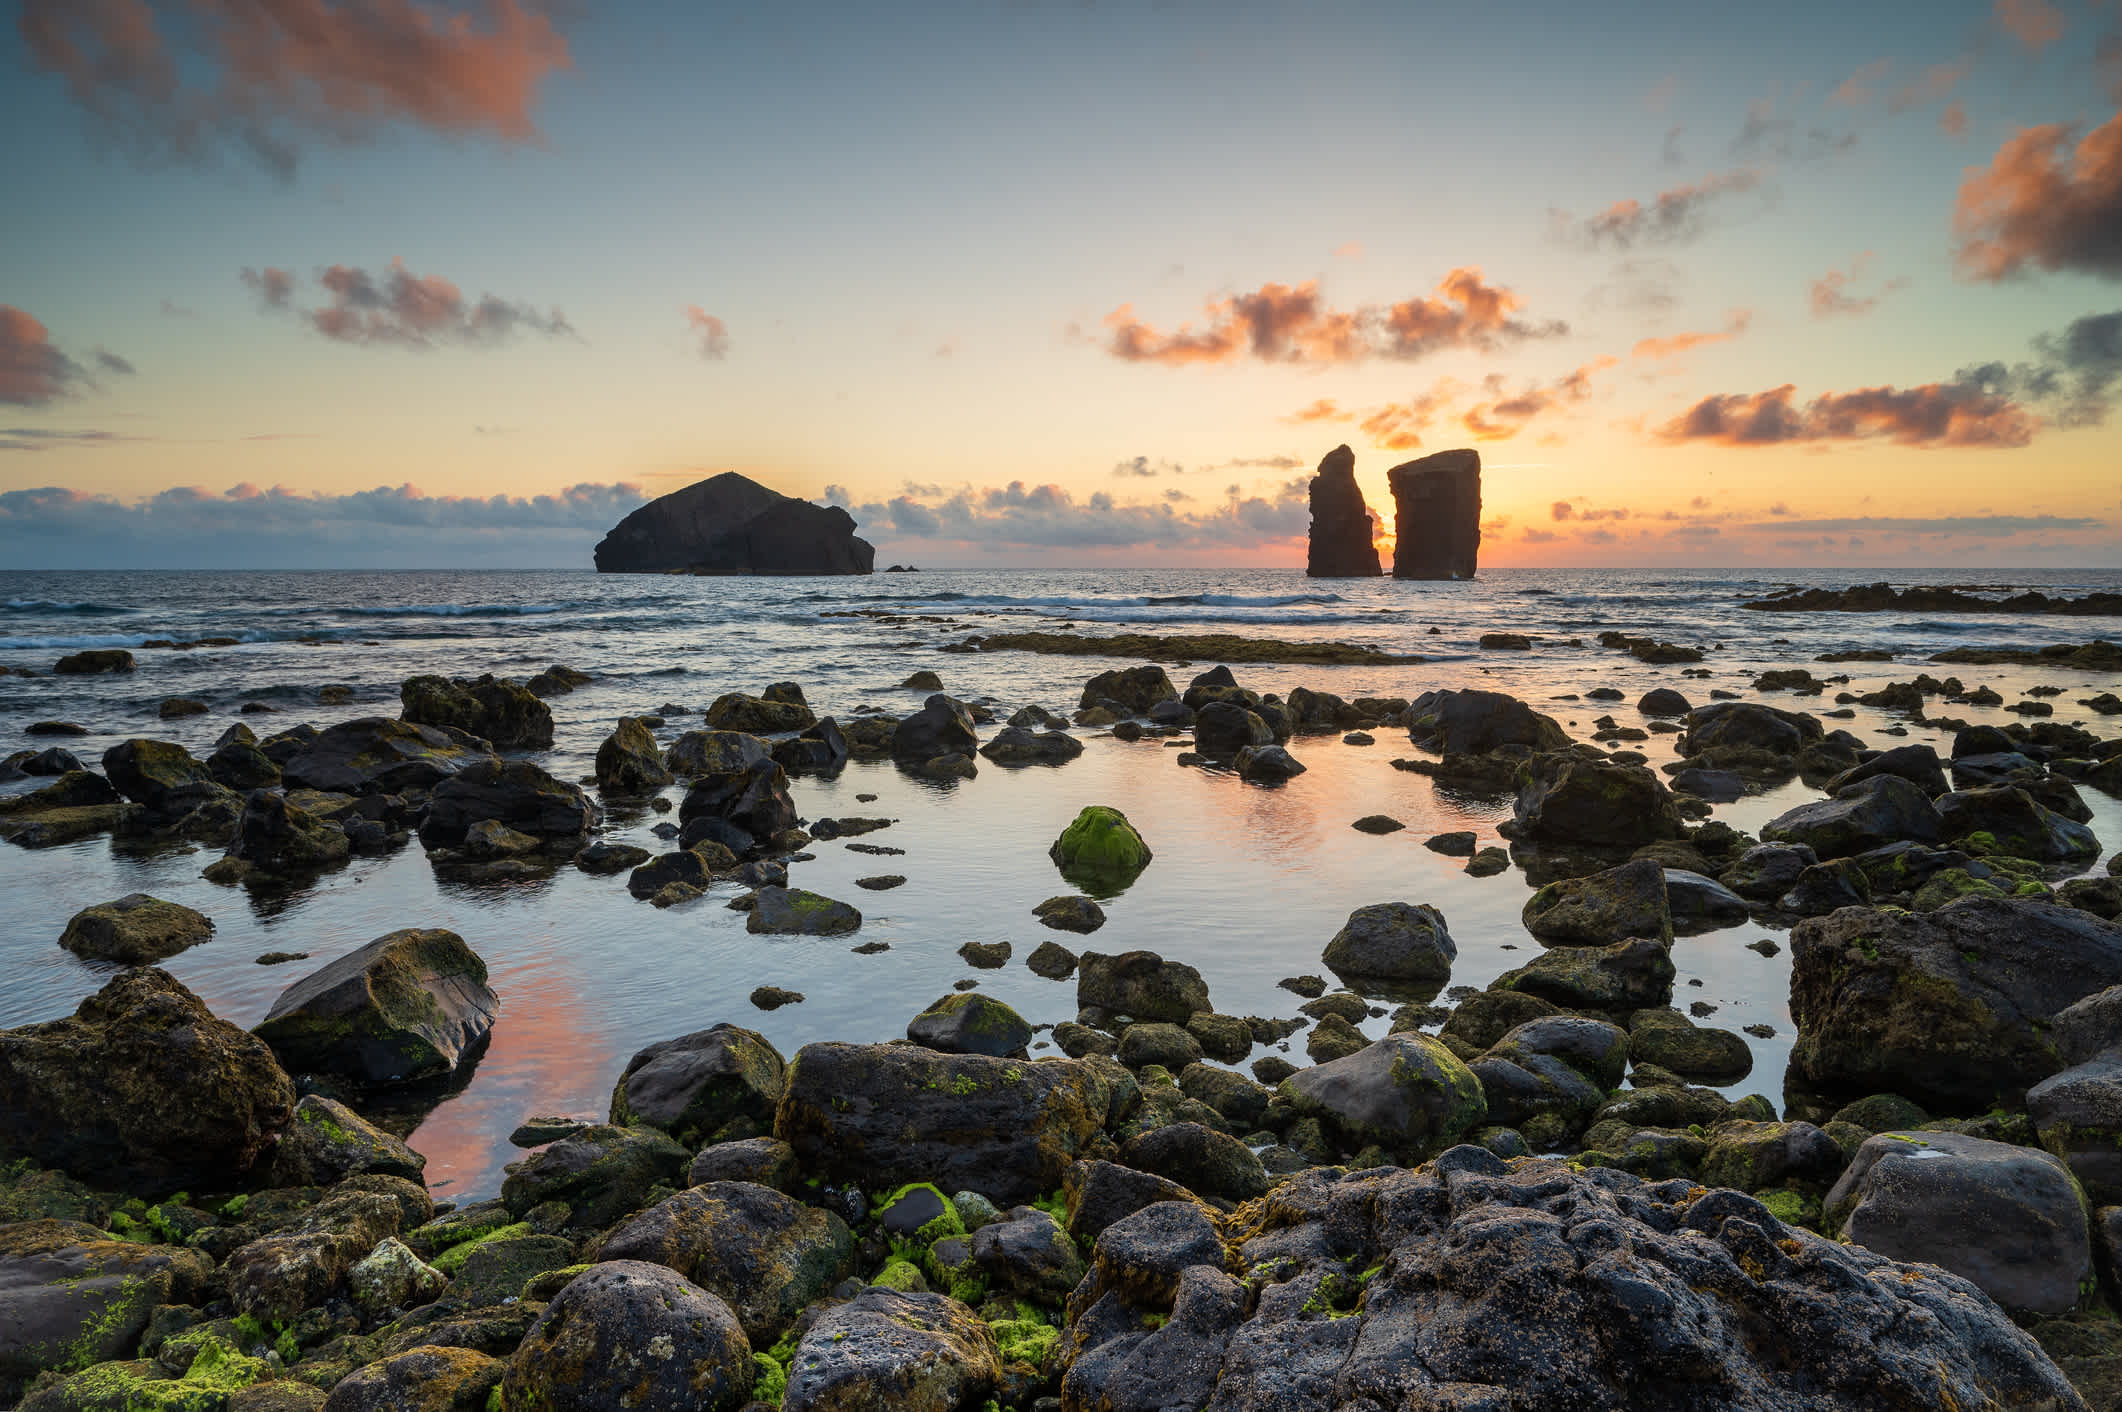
{"type": "Point", "coordinates": [411, 283]}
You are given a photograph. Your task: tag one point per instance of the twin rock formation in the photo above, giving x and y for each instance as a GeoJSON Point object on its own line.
{"type": "Point", "coordinates": [1436, 523]}
{"type": "Point", "coordinates": [729, 524]}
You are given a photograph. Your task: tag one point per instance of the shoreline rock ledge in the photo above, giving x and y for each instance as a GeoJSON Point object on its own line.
{"type": "Point", "coordinates": [731, 524]}
{"type": "Point", "coordinates": [1437, 516]}
{"type": "Point", "coordinates": [1342, 544]}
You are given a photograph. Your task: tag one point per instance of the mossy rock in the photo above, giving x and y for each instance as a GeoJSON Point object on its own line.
{"type": "Point", "coordinates": [1100, 852]}
{"type": "Point", "coordinates": [410, 1005]}
{"type": "Point", "coordinates": [136, 930]}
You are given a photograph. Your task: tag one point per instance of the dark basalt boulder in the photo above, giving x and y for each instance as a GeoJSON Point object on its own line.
{"type": "Point", "coordinates": [1134, 688]}
{"type": "Point", "coordinates": [159, 774]}
{"type": "Point", "coordinates": [410, 1005]}
{"type": "Point", "coordinates": [1483, 1293]}
{"type": "Point", "coordinates": [629, 761]}
{"type": "Point", "coordinates": [887, 1349]}
{"type": "Point", "coordinates": [703, 1087]}
{"type": "Point", "coordinates": [136, 930]}
{"type": "Point", "coordinates": [513, 792]}
{"type": "Point", "coordinates": [1566, 798]}
{"type": "Point", "coordinates": [376, 754]}
{"type": "Point", "coordinates": [1950, 1008]}
{"type": "Point", "coordinates": [1341, 533]}
{"type": "Point", "coordinates": [142, 1089]}
{"type": "Point", "coordinates": [1871, 813]}
{"type": "Point", "coordinates": [279, 837]}
{"type": "Point", "coordinates": [1477, 722]}
{"type": "Point", "coordinates": [496, 709]}
{"type": "Point", "coordinates": [625, 1333]}
{"type": "Point", "coordinates": [1437, 516]}
{"type": "Point", "coordinates": [730, 524]}
{"type": "Point", "coordinates": [941, 727]}
{"type": "Point", "coordinates": [886, 1114]}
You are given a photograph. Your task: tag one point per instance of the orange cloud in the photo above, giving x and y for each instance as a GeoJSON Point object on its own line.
{"type": "Point", "coordinates": [1501, 417]}
{"type": "Point", "coordinates": [1830, 296]}
{"type": "Point", "coordinates": [711, 331]}
{"type": "Point", "coordinates": [1323, 410]}
{"type": "Point", "coordinates": [1281, 323]}
{"type": "Point", "coordinates": [1398, 426]}
{"type": "Point", "coordinates": [2036, 24]}
{"type": "Point", "coordinates": [1735, 324]}
{"type": "Point", "coordinates": [2045, 200]}
{"type": "Point", "coordinates": [33, 371]}
{"type": "Point", "coordinates": [1933, 415]}
{"type": "Point", "coordinates": [257, 73]}
{"type": "Point", "coordinates": [1672, 217]}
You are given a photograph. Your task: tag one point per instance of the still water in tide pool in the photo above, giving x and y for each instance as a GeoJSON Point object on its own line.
{"type": "Point", "coordinates": [1248, 883]}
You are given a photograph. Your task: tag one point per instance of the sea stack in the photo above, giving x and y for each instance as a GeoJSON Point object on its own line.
{"type": "Point", "coordinates": [1341, 546]}
{"type": "Point", "coordinates": [729, 524]}
{"type": "Point", "coordinates": [1437, 516]}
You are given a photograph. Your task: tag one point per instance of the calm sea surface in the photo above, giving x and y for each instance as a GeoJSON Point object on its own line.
{"type": "Point", "coordinates": [1248, 883]}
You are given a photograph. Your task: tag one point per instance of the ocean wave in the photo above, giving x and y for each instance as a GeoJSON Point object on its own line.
{"type": "Point", "coordinates": [84, 639]}
{"type": "Point", "coordinates": [45, 606]}
{"type": "Point", "coordinates": [459, 610]}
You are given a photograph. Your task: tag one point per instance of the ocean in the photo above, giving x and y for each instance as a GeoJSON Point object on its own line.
{"type": "Point", "coordinates": [1248, 883]}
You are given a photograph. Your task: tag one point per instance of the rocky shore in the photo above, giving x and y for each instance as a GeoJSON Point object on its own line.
{"type": "Point", "coordinates": [1532, 1195]}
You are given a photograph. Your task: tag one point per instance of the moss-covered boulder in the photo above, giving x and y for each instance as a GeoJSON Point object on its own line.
{"type": "Point", "coordinates": [1141, 985]}
{"type": "Point", "coordinates": [391, 1276]}
{"type": "Point", "coordinates": [970, 1022]}
{"type": "Point", "coordinates": [157, 773]}
{"type": "Point", "coordinates": [142, 1088]}
{"type": "Point", "coordinates": [756, 715]}
{"type": "Point", "coordinates": [328, 1142]}
{"type": "Point", "coordinates": [1602, 908]}
{"type": "Point", "coordinates": [2007, 820]}
{"type": "Point", "coordinates": [278, 1276]}
{"type": "Point", "coordinates": [72, 1296]}
{"type": "Point", "coordinates": [513, 792]}
{"type": "Point", "coordinates": [378, 755]}
{"type": "Point", "coordinates": [1407, 1093]}
{"type": "Point", "coordinates": [887, 1349]}
{"type": "Point", "coordinates": [881, 1115]}
{"type": "Point", "coordinates": [1548, 1077]}
{"type": "Point", "coordinates": [430, 1379]}
{"type": "Point", "coordinates": [791, 911]}
{"type": "Point", "coordinates": [1402, 942]}
{"type": "Point", "coordinates": [1950, 1008]}
{"type": "Point", "coordinates": [1100, 852]}
{"type": "Point", "coordinates": [1199, 1158]}
{"type": "Point", "coordinates": [625, 1333]}
{"type": "Point", "coordinates": [1477, 722]}
{"type": "Point", "coordinates": [408, 1006]}
{"type": "Point", "coordinates": [1566, 798]}
{"type": "Point", "coordinates": [275, 835]}
{"type": "Point", "coordinates": [601, 1173]}
{"type": "Point", "coordinates": [1753, 1156]}
{"type": "Point", "coordinates": [709, 1086]}
{"type": "Point", "coordinates": [217, 1376]}
{"type": "Point", "coordinates": [500, 710]}
{"type": "Point", "coordinates": [1875, 812]}
{"type": "Point", "coordinates": [1628, 975]}
{"type": "Point", "coordinates": [629, 761]}
{"type": "Point", "coordinates": [1665, 1037]}
{"type": "Point", "coordinates": [765, 1254]}
{"type": "Point", "coordinates": [136, 930]}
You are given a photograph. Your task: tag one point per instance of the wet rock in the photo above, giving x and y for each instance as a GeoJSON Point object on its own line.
{"type": "Point", "coordinates": [1918, 764]}
{"type": "Point", "coordinates": [629, 761]}
{"type": "Point", "coordinates": [2007, 820]}
{"type": "Point", "coordinates": [1484, 1017]}
{"type": "Point", "coordinates": [885, 1115]}
{"type": "Point", "coordinates": [141, 1088]}
{"type": "Point", "coordinates": [136, 930]}
{"type": "Point", "coordinates": [784, 911]}
{"type": "Point", "coordinates": [1406, 1092]}
{"type": "Point", "coordinates": [628, 1333]}
{"type": "Point", "coordinates": [512, 792]}
{"type": "Point", "coordinates": [1825, 888]}
{"type": "Point", "coordinates": [72, 1296]}
{"type": "Point", "coordinates": [1663, 701]}
{"type": "Point", "coordinates": [967, 1022]}
{"type": "Point", "coordinates": [605, 857]}
{"type": "Point", "coordinates": [1223, 728]}
{"type": "Point", "coordinates": [743, 789]}
{"type": "Point", "coordinates": [1870, 814]}
{"type": "Point", "coordinates": [887, 1349]}
{"type": "Point", "coordinates": [1223, 1037]}
{"type": "Point", "coordinates": [1487, 863]}
{"type": "Point", "coordinates": [1602, 908]}
{"type": "Point", "coordinates": [1699, 902]}
{"type": "Point", "coordinates": [1565, 798]}
{"type": "Point", "coordinates": [763, 1253]}
{"type": "Point", "coordinates": [1018, 746]}
{"type": "Point", "coordinates": [1266, 764]}
{"type": "Point", "coordinates": [1668, 1039]}
{"type": "Point", "coordinates": [1628, 975]}
{"type": "Point", "coordinates": [757, 715]}
{"type": "Point", "coordinates": [1100, 851]}
{"type": "Point", "coordinates": [941, 727]}
{"type": "Point", "coordinates": [1198, 1158]}
{"type": "Point", "coordinates": [1133, 689]}
{"type": "Point", "coordinates": [392, 1277]}
{"type": "Point", "coordinates": [1140, 984]}
{"type": "Point", "coordinates": [1051, 960]}
{"type": "Point", "coordinates": [1070, 914]}
{"type": "Point", "coordinates": [1392, 941]}
{"type": "Point", "coordinates": [763, 1161]}
{"type": "Point", "coordinates": [377, 755]}
{"type": "Point", "coordinates": [2009, 1219]}
{"type": "Point", "coordinates": [328, 1142]}
{"type": "Point", "coordinates": [602, 1173]}
{"type": "Point", "coordinates": [1158, 1042]}
{"type": "Point", "coordinates": [408, 1006]}
{"type": "Point", "coordinates": [700, 1085]}
{"type": "Point", "coordinates": [496, 709]}
{"type": "Point", "coordinates": [1548, 1076]}
{"type": "Point", "coordinates": [1478, 722]}
{"type": "Point", "coordinates": [1767, 871]}
{"type": "Point", "coordinates": [429, 1378]}
{"type": "Point", "coordinates": [2078, 1114]}
{"type": "Point", "coordinates": [158, 774]}
{"type": "Point", "coordinates": [1028, 1255]}
{"type": "Point", "coordinates": [302, 1264]}
{"type": "Point", "coordinates": [95, 661]}
{"type": "Point", "coordinates": [1950, 1008]}
{"type": "Point", "coordinates": [1378, 824]}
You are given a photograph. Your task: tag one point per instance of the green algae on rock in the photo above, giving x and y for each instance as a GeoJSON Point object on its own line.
{"type": "Point", "coordinates": [136, 930]}
{"type": "Point", "coordinates": [1100, 852]}
{"type": "Point", "coordinates": [408, 1006]}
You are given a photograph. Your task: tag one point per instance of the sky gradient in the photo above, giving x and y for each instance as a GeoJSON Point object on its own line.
{"type": "Point", "coordinates": [382, 282]}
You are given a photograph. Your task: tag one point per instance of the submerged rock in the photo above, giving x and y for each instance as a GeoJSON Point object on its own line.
{"type": "Point", "coordinates": [136, 930]}
{"type": "Point", "coordinates": [408, 1006]}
